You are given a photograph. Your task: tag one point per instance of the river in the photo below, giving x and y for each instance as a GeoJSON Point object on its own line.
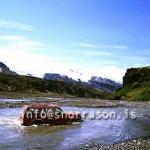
{"type": "Point", "coordinates": [99, 130]}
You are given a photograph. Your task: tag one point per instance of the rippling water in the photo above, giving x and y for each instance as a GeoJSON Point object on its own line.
{"type": "Point", "coordinates": [14, 136]}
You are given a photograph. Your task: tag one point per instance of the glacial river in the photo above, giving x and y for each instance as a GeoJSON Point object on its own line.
{"type": "Point", "coordinates": [103, 130]}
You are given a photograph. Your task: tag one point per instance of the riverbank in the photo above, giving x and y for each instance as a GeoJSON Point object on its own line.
{"type": "Point", "coordinates": [23, 95]}
{"type": "Point", "coordinates": [132, 145]}
{"type": "Point", "coordinates": [74, 102]}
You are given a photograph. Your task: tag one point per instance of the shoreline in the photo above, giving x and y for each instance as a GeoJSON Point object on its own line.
{"type": "Point", "coordinates": [74, 102]}
{"type": "Point", "coordinates": [22, 95]}
{"type": "Point", "coordinates": [138, 144]}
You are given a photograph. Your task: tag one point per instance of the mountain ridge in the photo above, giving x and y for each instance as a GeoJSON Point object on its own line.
{"type": "Point", "coordinates": [12, 83]}
{"type": "Point", "coordinates": [104, 84]}
{"type": "Point", "coordinates": [99, 83]}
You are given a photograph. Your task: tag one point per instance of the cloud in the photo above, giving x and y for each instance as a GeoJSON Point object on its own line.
{"type": "Point", "coordinates": [11, 38]}
{"type": "Point", "coordinates": [96, 53]}
{"type": "Point", "coordinates": [135, 58]}
{"type": "Point", "coordinates": [15, 25]}
{"type": "Point", "coordinates": [112, 72]}
{"type": "Point", "coordinates": [38, 64]}
{"type": "Point", "coordinates": [34, 63]}
{"type": "Point", "coordinates": [90, 45]}
{"type": "Point", "coordinates": [22, 43]}
{"type": "Point", "coordinates": [93, 53]}
{"type": "Point", "coordinates": [87, 45]}
{"type": "Point", "coordinates": [22, 55]}
{"type": "Point", "coordinates": [106, 62]}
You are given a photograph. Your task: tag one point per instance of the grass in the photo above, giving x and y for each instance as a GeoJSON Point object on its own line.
{"type": "Point", "coordinates": [140, 93]}
{"type": "Point", "coordinates": [17, 86]}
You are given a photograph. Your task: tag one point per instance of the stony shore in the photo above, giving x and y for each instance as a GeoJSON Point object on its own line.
{"type": "Point", "coordinates": [75, 102]}
{"type": "Point", "coordinates": [128, 145]}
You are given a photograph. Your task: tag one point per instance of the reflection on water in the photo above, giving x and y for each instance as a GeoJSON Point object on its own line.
{"type": "Point", "coordinates": [14, 136]}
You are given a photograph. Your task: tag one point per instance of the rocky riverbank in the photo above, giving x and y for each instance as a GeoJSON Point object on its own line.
{"type": "Point", "coordinates": [75, 102]}
{"type": "Point", "coordinates": [128, 145]}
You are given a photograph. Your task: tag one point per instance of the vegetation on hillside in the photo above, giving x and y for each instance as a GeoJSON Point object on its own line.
{"type": "Point", "coordinates": [136, 85]}
{"type": "Point", "coordinates": [31, 85]}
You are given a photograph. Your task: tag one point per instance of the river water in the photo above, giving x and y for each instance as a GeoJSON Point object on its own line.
{"type": "Point", "coordinates": [110, 130]}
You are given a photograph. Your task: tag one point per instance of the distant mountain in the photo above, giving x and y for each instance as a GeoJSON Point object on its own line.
{"type": "Point", "coordinates": [95, 82]}
{"type": "Point", "coordinates": [32, 85]}
{"type": "Point", "coordinates": [58, 77]}
{"type": "Point", "coordinates": [4, 69]}
{"type": "Point", "coordinates": [104, 84]}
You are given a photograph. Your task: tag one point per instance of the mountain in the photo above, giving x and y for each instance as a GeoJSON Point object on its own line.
{"type": "Point", "coordinates": [136, 85]}
{"type": "Point", "coordinates": [32, 85]}
{"type": "Point", "coordinates": [104, 84]}
{"type": "Point", "coordinates": [11, 82]}
{"type": "Point", "coordinates": [58, 77]}
{"type": "Point", "coordinates": [4, 69]}
{"type": "Point", "coordinates": [99, 83]}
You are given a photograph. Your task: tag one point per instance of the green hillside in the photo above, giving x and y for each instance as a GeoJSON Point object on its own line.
{"type": "Point", "coordinates": [31, 85]}
{"type": "Point", "coordinates": [136, 85]}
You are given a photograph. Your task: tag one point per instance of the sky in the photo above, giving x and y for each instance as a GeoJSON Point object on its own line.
{"type": "Point", "coordinates": [79, 38]}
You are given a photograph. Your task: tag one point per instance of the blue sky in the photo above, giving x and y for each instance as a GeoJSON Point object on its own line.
{"type": "Point", "coordinates": [79, 38]}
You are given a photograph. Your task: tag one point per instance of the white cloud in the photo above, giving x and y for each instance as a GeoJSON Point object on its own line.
{"type": "Point", "coordinates": [22, 43]}
{"type": "Point", "coordinates": [134, 58]}
{"type": "Point", "coordinates": [90, 45]}
{"type": "Point", "coordinates": [38, 64]}
{"type": "Point", "coordinates": [96, 53]}
{"type": "Point", "coordinates": [111, 72]}
{"type": "Point", "coordinates": [15, 25]}
{"type": "Point", "coordinates": [87, 45]}
{"type": "Point", "coordinates": [22, 55]}
{"type": "Point", "coordinates": [106, 62]}
{"type": "Point", "coordinates": [18, 54]}
{"type": "Point", "coordinates": [137, 65]}
{"type": "Point", "coordinates": [34, 63]}
{"type": "Point", "coordinates": [11, 38]}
